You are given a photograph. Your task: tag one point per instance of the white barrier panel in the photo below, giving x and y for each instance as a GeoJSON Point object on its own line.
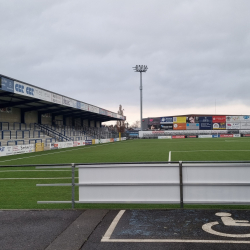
{"type": "Point", "coordinates": [5, 150]}
{"type": "Point", "coordinates": [205, 136]}
{"type": "Point", "coordinates": [132, 183]}
{"type": "Point", "coordinates": [164, 137]}
{"type": "Point", "coordinates": [22, 149]}
{"type": "Point", "coordinates": [201, 176]}
{"type": "Point", "coordinates": [236, 135]}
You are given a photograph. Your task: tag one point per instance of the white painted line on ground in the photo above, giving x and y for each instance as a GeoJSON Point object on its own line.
{"type": "Point", "coordinates": [111, 228]}
{"type": "Point", "coordinates": [212, 150]}
{"type": "Point", "coordinates": [5, 171]}
{"type": "Point", "coordinates": [169, 156]}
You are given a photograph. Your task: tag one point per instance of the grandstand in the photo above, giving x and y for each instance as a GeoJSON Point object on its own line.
{"type": "Point", "coordinates": [29, 115]}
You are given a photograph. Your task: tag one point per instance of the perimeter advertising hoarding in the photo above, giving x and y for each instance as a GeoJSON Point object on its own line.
{"type": "Point", "coordinates": [192, 119]}
{"type": "Point", "coordinates": [192, 126]}
{"type": "Point", "coordinates": [226, 135]}
{"type": "Point", "coordinates": [205, 119]}
{"type": "Point", "coordinates": [68, 102]}
{"type": "Point", "coordinates": [6, 150]}
{"type": "Point", "coordinates": [167, 126]}
{"type": "Point", "coordinates": [56, 98]}
{"type": "Point", "coordinates": [205, 125]}
{"type": "Point", "coordinates": [219, 118]}
{"type": "Point", "coordinates": [179, 126]}
{"type": "Point", "coordinates": [95, 109]}
{"type": "Point", "coordinates": [166, 120]}
{"type": "Point", "coordinates": [245, 125]}
{"type": "Point", "coordinates": [27, 90]}
{"type": "Point", "coordinates": [245, 118]}
{"type": "Point", "coordinates": [219, 125]}
{"type": "Point", "coordinates": [6, 84]}
{"type": "Point", "coordinates": [192, 136]}
{"type": "Point", "coordinates": [179, 119]}
{"type": "Point", "coordinates": [246, 135]}
{"type": "Point", "coordinates": [178, 136]}
{"type": "Point", "coordinates": [233, 125]}
{"type": "Point", "coordinates": [154, 121]}
{"type": "Point", "coordinates": [84, 106]}
{"type": "Point", "coordinates": [233, 119]}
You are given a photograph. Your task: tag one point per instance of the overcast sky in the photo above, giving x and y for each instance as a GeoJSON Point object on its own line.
{"type": "Point", "coordinates": [197, 53]}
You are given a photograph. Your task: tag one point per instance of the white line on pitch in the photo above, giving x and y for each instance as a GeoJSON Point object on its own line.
{"type": "Point", "coordinates": [37, 178]}
{"type": "Point", "coordinates": [5, 171]}
{"type": "Point", "coordinates": [214, 150]}
{"type": "Point", "coordinates": [111, 228]}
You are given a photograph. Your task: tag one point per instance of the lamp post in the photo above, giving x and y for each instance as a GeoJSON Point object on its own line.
{"type": "Point", "coordinates": [141, 68]}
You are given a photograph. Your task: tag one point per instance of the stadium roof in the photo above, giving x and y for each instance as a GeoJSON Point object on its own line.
{"type": "Point", "coordinates": [18, 94]}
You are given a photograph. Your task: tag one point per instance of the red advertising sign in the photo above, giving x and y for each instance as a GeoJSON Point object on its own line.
{"type": "Point", "coordinates": [219, 118]}
{"type": "Point", "coordinates": [246, 135]}
{"type": "Point", "coordinates": [226, 135]}
{"type": "Point", "coordinates": [178, 136]}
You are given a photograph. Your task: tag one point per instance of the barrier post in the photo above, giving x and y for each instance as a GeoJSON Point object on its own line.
{"type": "Point", "coordinates": [181, 184]}
{"type": "Point", "coordinates": [73, 185]}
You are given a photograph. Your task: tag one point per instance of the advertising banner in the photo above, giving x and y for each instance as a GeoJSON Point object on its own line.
{"type": "Point", "coordinates": [166, 120]}
{"type": "Point", "coordinates": [84, 106]}
{"type": "Point", "coordinates": [233, 119]}
{"type": "Point", "coordinates": [109, 113]}
{"type": "Point", "coordinates": [245, 125]}
{"type": "Point", "coordinates": [233, 125]}
{"type": "Point", "coordinates": [246, 135]}
{"type": "Point", "coordinates": [226, 135]}
{"type": "Point", "coordinates": [192, 126]}
{"type": "Point", "coordinates": [154, 121]}
{"type": "Point", "coordinates": [219, 125]}
{"type": "Point", "coordinates": [94, 109]}
{"type": "Point", "coordinates": [219, 118]}
{"type": "Point", "coordinates": [6, 84]}
{"type": "Point", "coordinates": [88, 142]}
{"type": "Point", "coordinates": [68, 102]}
{"type": "Point", "coordinates": [179, 126]}
{"type": "Point", "coordinates": [56, 98]}
{"type": "Point", "coordinates": [167, 126]}
{"type": "Point", "coordinates": [205, 125]}
{"type": "Point", "coordinates": [192, 136]}
{"type": "Point", "coordinates": [21, 149]}
{"type": "Point", "coordinates": [236, 135]}
{"type": "Point", "coordinates": [111, 139]}
{"type": "Point", "coordinates": [179, 119]}
{"type": "Point", "coordinates": [178, 136]}
{"type": "Point", "coordinates": [42, 94]}
{"type": "Point", "coordinates": [39, 147]}
{"type": "Point", "coordinates": [204, 136]}
{"type": "Point", "coordinates": [164, 137]}
{"type": "Point", "coordinates": [153, 127]}
{"type": "Point", "coordinates": [245, 118]}
{"type": "Point", "coordinates": [192, 119]}
{"type": "Point", "coordinates": [6, 150]}
{"type": "Point", "coordinates": [205, 119]}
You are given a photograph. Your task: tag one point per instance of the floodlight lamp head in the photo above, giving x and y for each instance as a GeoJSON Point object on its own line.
{"type": "Point", "coordinates": [140, 68]}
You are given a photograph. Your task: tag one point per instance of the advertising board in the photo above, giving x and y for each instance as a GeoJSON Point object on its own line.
{"type": "Point", "coordinates": [219, 118]}
{"type": "Point", "coordinates": [192, 126]}
{"type": "Point", "coordinates": [233, 119]}
{"type": "Point", "coordinates": [164, 137]}
{"type": "Point", "coordinates": [166, 120]}
{"type": "Point", "coordinates": [245, 118]}
{"type": "Point", "coordinates": [68, 102]}
{"type": "Point", "coordinates": [84, 106]}
{"type": "Point", "coordinates": [178, 136]}
{"type": "Point", "coordinates": [88, 142]}
{"type": "Point", "coordinates": [191, 136]}
{"type": "Point", "coordinates": [5, 150]}
{"type": "Point", "coordinates": [95, 109]}
{"type": "Point", "coordinates": [42, 94]}
{"type": "Point", "coordinates": [179, 126]}
{"type": "Point", "coordinates": [6, 84]}
{"type": "Point", "coordinates": [246, 135]}
{"type": "Point", "coordinates": [232, 125]}
{"type": "Point", "coordinates": [167, 126]}
{"type": "Point", "coordinates": [245, 125]}
{"type": "Point", "coordinates": [205, 125]}
{"type": "Point", "coordinates": [219, 125]}
{"type": "Point", "coordinates": [205, 119]}
{"type": "Point", "coordinates": [21, 149]}
{"type": "Point", "coordinates": [154, 121]}
{"type": "Point", "coordinates": [204, 136]}
{"type": "Point", "coordinates": [56, 98]}
{"type": "Point", "coordinates": [226, 135]}
{"type": "Point", "coordinates": [192, 119]}
{"type": "Point", "coordinates": [179, 119]}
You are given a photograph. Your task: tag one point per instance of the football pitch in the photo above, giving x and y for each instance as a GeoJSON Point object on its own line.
{"type": "Point", "coordinates": [18, 184]}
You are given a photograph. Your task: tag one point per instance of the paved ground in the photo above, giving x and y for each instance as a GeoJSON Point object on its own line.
{"type": "Point", "coordinates": [130, 229]}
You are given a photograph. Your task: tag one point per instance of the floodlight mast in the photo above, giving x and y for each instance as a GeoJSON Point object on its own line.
{"type": "Point", "coordinates": [140, 68]}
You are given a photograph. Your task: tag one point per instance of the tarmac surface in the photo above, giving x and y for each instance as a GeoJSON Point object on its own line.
{"type": "Point", "coordinates": [120, 229]}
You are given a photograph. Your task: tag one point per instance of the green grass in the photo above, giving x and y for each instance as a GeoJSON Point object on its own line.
{"type": "Point", "coordinates": [23, 194]}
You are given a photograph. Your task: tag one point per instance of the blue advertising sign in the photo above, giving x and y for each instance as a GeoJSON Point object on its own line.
{"type": "Point", "coordinates": [6, 84]}
{"type": "Point", "coordinates": [205, 125]}
{"type": "Point", "coordinates": [165, 120]}
{"type": "Point", "coordinates": [205, 119]}
{"type": "Point", "coordinates": [78, 105]}
{"type": "Point", "coordinates": [88, 142]}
